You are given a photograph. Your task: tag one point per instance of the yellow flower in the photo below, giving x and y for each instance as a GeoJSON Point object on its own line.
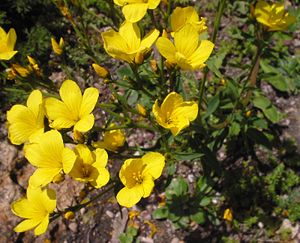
{"type": "Point", "coordinates": [112, 140]}
{"type": "Point", "coordinates": [35, 208]}
{"type": "Point", "coordinates": [228, 215]}
{"type": "Point", "coordinates": [138, 175]}
{"type": "Point", "coordinates": [48, 154]}
{"type": "Point", "coordinates": [101, 71]}
{"type": "Point", "coordinates": [274, 16]}
{"type": "Point", "coordinates": [174, 113]}
{"type": "Point", "coordinates": [127, 44]}
{"type": "Point", "coordinates": [90, 166]}
{"type": "Point", "coordinates": [187, 15]}
{"type": "Point", "coordinates": [188, 52]}
{"type": "Point", "coordinates": [74, 109]}
{"type": "Point", "coordinates": [135, 10]}
{"type": "Point", "coordinates": [57, 47]}
{"type": "Point", "coordinates": [7, 44]}
{"type": "Point", "coordinates": [26, 122]}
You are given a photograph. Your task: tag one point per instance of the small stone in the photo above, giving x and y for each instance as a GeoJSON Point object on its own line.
{"type": "Point", "coordinates": [109, 214]}
{"type": "Point", "coordinates": [175, 240]}
{"type": "Point", "coordinates": [260, 225]}
{"type": "Point", "coordinates": [73, 227]}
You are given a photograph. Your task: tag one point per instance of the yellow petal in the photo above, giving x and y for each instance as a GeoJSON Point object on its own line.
{"type": "Point", "coordinates": [43, 176]}
{"type": "Point", "coordinates": [155, 164]}
{"type": "Point", "coordinates": [129, 197]}
{"type": "Point", "coordinates": [102, 178]}
{"type": "Point", "coordinates": [181, 16]}
{"type": "Point", "coordinates": [42, 201]}
{"type": "Point", "coordinates": [11, 39]}
{"type": "Point", "coordinates": [59, 114]}
{"type": "Point", "coordinates": [149, 39]}
{"type": "Point", "coordinates": [22, 208]}
{"type": "Point", "coordinates": [186, 40]}
{"type": "Point", "coordinates": [68, 160]}
{"type": "Point", "coordinates": [70, 94]}
{"type": "Point", "coordinates": [85, 123]}
{"type": "Point", "coordinates": [89, 100]}
{"type": "Point", "coordinates": [7, 55]}
{"type": "Point", "coordinates": [101, 157]}
{"type": "Point", "coordinates": [159, 116]}
{"type": "Point", "coordinates": [42, 227]}
{"type": "Point", "coordinates": [34, 102]}
{"type": "Point", "coordinates": [171, 101]}
{"type": "Point", "coordinates": [188, 109]}
{"type": "Point", "coordinates": [46, 152]}
{"type": "Point", "coordinates": [135, 12]}
{"type": "Point", "coordinates": [130, 32]}
{"type": "Point", "coordinates": [201, 54]}
{"type": "Point", "coordinates": [166, 49]}
{"type": "Point", "coordinates": [27, 224]}
{"type": "Point", "coordinates": [56, 47]}
{"type": "Point", "coordinates": [148, 185]}
{"type": "Point", "coordinates": [152, 4]}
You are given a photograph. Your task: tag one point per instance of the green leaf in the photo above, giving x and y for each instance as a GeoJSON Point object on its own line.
{"type": "Point", "coordinates": [161, 213]}
{"type": "Point", "coordinates": [277, 81]}
{"type": "Point", "coordinates": [261, 102]}
{"type": "Point", "coordinates": [205, 201]}
{"type": "Point", "coordinates": [212, 67]}
{"type": "Point", "coordinates": [234, 129]}
{"type": "Point", "coordinates": [258, 137]}
{"type": "Point", "coordinates": [188, 156]}
{"type": "Point", "coordinates": [198, 217]}
{"type": "Point", "coordinates": [273, 114]}
{"type": "Point", "coordinates": [212, 106]}
{"type": "Point", "coordinates": [179, 186]}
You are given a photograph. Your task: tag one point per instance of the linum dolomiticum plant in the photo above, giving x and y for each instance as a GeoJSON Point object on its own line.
{"type": "Point", "coordinates": [169, 81]}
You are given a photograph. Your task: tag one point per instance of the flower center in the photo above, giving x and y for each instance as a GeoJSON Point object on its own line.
{"type": "Point", "coordinates": [86, 170]}
{"type": "Point", "coordinates": [137, 176]}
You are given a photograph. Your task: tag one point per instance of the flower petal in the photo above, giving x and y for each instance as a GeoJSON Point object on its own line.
{"type": "Point", "coordinates": [149, 39]}
{"type": "Point", "coordinates": [42, 227]}
{"type": "Point", "coordinates": [101, 158]}
{"type": "Point", "coordinates": [130, 32]}
{"type": "Point", "coordinates": [43, 176]}
{"type": "Point", "coordinates": [155, 164]}
{"type": "Point", "coordinates": [23, 208]}
{"type": "Point", "coordinates": [101, 179]}
{"type": "Point", "coordinates": [148, 185]}
{"type": "Point", "coordinates": [129, 197]}
{"type": "Point", "coordinates": [89, 100]}
{"type": "Point", "coordinates": [166, 49]}
{"type": "Point", "coordinates": [70, 94]}
{"type": "Point", "coordinates": [27, 224]}
{"type": "Point", "coordinates": [135, 12]}
{"type": "Point", "coordinates": [85, 123]}
{"type": "Point", "coordinates": [201, 54]}
{"type": "Point", "coordinates": [68, 159]}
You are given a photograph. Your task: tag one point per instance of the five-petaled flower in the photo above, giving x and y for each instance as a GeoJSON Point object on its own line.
{"type": "Point", "coordinates": [26, 122]}
{"type": "Point", "coordinates": [35, 208]}
{"type": "Point", "coordinates": [174, 113]}
{"type": "Point", "coordinates": [74, 109]}
{"type": "Point", "coordinates": [90, 166]}
{"type": "Point", "coordinates": [48, 154]}
{"type": "Point", "coordinates": [135, 10]}
{"type": "Point", "coordinates": [127, 44]}
{"type": "Point", "coordinates": [188, 52]}
{"type": "Point", "coordinates": [138, 175]}
{"type": "Point", "coordinates": [7, 44]}
{"type": "Point", "coordinates": [274, 16]}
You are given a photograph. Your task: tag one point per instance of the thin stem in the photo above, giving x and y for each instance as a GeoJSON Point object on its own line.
{"type": "Point", "coordinates": [221, 7]}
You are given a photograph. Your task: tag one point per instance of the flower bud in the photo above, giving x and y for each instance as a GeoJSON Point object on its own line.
{"type": "Point", "coordinates": [139, 58]}
{"type": "Point", "coordinates": [101, 71]}
{"type": "Point", "coordinates": [69, 215]}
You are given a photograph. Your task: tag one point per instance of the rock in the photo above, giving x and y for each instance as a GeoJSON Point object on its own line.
{"type": "Point", "coordinates": [73, 227]}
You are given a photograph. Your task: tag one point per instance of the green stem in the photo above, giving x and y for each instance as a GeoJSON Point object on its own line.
{"type": "Point", "coordinates": [221, 7]}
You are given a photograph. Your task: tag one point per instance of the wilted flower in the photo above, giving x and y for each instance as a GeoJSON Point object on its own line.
{"type": "Point", "coordinates": [174, 113]}
{"type": "Point", "coordinates": [101, 71]}
{"type": "Point", "coordinates": [273, 16]}
{"type": "Point", "coordinates": [26, 122]}
{"type": "Point", "coordinates": [188, 15]}
{"type": "Point", "coordinates": [188, 52]}
{"type": "Point", "coordinates": [74, 109]}
{"type": "Point", "coordinates": [7, 44]}
{"type": "Point", "coordinates": [138, 175]}
{"type": "Point", "coordinates": [33, 66]}
{"type": "Point", "coordinates": [127, 44]}
{"type": "Point", "coordinates": [90, 166]}
{"type": "Point", "coordinates": [135, 10]}
{"type": "Point", "coordinates": [35, 208]}
{"type": "Point", "coordinates": [57, 47]}
{"type": "Point", "coordinates": [48, 154]}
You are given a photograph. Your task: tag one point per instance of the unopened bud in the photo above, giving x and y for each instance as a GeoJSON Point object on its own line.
{"type": "Point", "coordinates": [223, 82]}
{"type": "Point", "coordinates": [58, 178]}
{"type": "Point", "coordinates": [153, 65]}
{"type": "Point", "coordinates": [139, 58]}
{"type": "Point", "coordinates": [228, 216]}
{"type": "Point", "coordinates": [101, 71]}
{"type": "Point", "coordinates": [141, 109]}
{"type": "Point", "coordinates": [69, 215]}
{"type": "Point", "coordinates": [248, 113]}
